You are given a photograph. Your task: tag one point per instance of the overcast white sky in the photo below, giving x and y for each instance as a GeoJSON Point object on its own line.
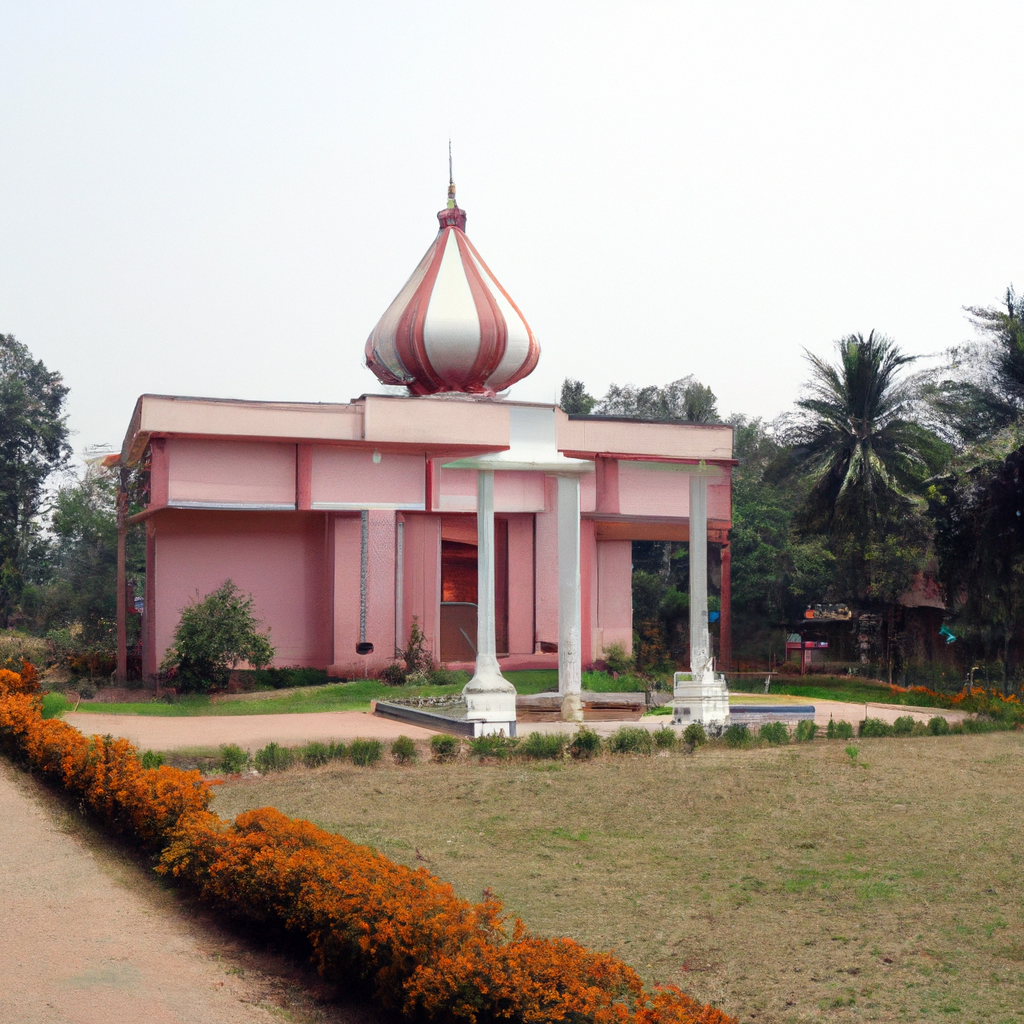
{"type": "Point", "coordinates": [221, 198]}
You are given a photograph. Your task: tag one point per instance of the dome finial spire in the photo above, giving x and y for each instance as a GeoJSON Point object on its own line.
{"type": "Point", "coordinates": [451, 180]}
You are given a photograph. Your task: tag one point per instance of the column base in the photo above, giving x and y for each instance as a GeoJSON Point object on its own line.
{"type": "Point", "coordinates": [704, 700]}
{"type": "Point", "coordinates": [490, 701]}
{"type": "Point", "coordinates": [572, 707]}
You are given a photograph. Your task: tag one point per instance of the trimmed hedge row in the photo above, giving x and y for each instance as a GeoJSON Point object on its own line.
{"type": "Point", "coordinates": [425, 952]}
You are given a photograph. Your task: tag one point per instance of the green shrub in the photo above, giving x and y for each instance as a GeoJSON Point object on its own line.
{"type": "Point", "coordinates": [337, 751]}
{"type": "Point", "coordinates": [416, 655]}
{"type": "Point", "coordinates": [852, 752]}
{"type": "Point", "coordinates": [585, 744]}
{"type": "Point", "coordinates": [665, 738]}
{"type": "Point", "coordinates": [18, 647]}
{"type": "Point", "coordinates": [365, 752]}
{"type": "Point", "coordinates": [444, 747]}
{"type": "Point", "coordinates": [151, 760]}
{"type": "Point", "coordinates": [805, 731]}
{"type": "Point", "coordinates": [774, 733]}
{"type": "Point", "coordinates": [233, 759]}
{"type": "Point", "coordinates": [839, 730]}
{"type": "Point", "coordinates": [903, 726]}
{"type": "Point", "coordinates": [441, 676]}
{"type": "Point", "coordinates": [495, 745]}
{"type": "Point", "coordinates": [874, 727]}
{"type": "Point", "coordinates": [694, 735]}
{"type": "Point", "coordinates": [403, 750]}
{"type": "Point", "coordinates": [544, 746]}
{"type": "Point", "coordinates": [212, 637]}
{"type": "Point", "coordinates": [616, 658]}
{"type": "Point", "coordinates": [315, 754]}
{"type": "Point", "coordinates": [920, 729]}
{"type": "Point", "coordinates": [736, 736]}
{"type": "Point", "coordinates": [393, 674]}
{"type": "Point", "coordinates": [938, 726]}
{"type": "Point", "coordinates": [976, 725]}
{"type": "Point", "coordinates": [273, 758]}
{"type": "Point", "coordinates": [287, 678]}
{"type": "Point", "coordinates": [630, 739]}
{"type": "Point", "coordinates": [55, 704]}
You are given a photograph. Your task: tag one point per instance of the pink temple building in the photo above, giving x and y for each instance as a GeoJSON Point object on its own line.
{"type": "Point", "coordinates": [348, 522]}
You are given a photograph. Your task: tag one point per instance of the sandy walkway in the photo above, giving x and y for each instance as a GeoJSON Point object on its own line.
{"type": "Point", "coordinates": [87, 938]}
{"type": "Point", "coordinates": [254, 731]}
{"type": "Point", "coordinates": [249, 731]}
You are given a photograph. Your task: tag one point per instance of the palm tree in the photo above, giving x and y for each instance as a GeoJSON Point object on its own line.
{"type": "Point", "coordinates": [865, 456]}
{"type": "Point", "coordinates": [981, 391]}
{"type": "Point", "coordinates": [858, 440]}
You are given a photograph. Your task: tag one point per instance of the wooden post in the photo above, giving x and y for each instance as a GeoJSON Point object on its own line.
{"type": "Point", "coordinates": [121, 673]}
{"type": "Point", "coordinates": [725, 624]}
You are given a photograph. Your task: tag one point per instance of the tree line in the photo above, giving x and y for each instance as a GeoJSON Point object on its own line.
{"type": "Point", "coordinates": [881, 481]}
{"type": "Point", "coordinates": [878, 480]}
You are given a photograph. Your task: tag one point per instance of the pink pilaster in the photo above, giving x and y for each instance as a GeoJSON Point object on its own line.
{"type": "Point", "coordinates": [607, 480]}
{"type": "Point", "coordinates": [422, 579]}
{"type": "Point", "coordinates": [158, 473]}
{"type": "Point", "coordinates": [520, 589]}
{"type": "Point", "coordinates": [588, 591]}
{"type": "Point", "coordinates": [303, 476]}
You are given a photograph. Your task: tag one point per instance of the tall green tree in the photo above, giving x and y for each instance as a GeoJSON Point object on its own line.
{"type": "Point", "coordinates": [979, 393]}
{"type": "Point", "coordinates": [685, 400]}
{"type": "Point", "coordinates": [78, 582]}
{"type": "Point", "coordinates": [575, 399]}
{"type": "Point", "coordinates": [33, 445]}
{"type": "Point", "coordinates": [866, 458]}
{"type": "Point", "coordinates": [977, 508]}
{"type": "Point", "coordinates": [859, 441]}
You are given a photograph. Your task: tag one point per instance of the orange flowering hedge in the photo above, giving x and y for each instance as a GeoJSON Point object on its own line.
{"type": "Point", "coordinates": [982, 701]}
{"type": "Point", "coordinates": [426, 953]}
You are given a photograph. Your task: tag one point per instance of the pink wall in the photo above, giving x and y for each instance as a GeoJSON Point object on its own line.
{"type": "Point", "coordinates": [520, 584]}
{"type": "Point", "coordinates": [588, 591]}
{"type": "Point", "coordinates": [349, 478]}
{"type": "Point", "coordinates": [663, 489]}
{"type": "Point", "coordinates": [380, 593]}
{"type": "Point", "coordinates": [230, 472]}
{"type": "Point", "coordinates": [513, 491]}
{"type": "Point", "coordinates": [546, 560]}
{"type": "Point", "coordinates": [614, 595]}
{"type": "Point", "coordinates": [422, 577]}
{"type": "Point", "coordinates": [345, 594]}
{"type": "Point", "coordinates": [194, 552]}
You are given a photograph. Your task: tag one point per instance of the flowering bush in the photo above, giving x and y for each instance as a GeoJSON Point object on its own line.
{"type": "Point", "coordinates": [425, 952]}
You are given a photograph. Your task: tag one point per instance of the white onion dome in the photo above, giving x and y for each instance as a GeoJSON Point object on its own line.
{"type": "Point", "coordinates": [452, 327]}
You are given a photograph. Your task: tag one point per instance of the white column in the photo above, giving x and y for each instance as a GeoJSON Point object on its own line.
{"type": "Point", "coordinates": [700, 646]}
{"type": "Point", "coordinates": [570, 654]}
{"type": "Point", "coordinates": [490, 697]}
{"type": "Point", "coordinates": [699, 695]}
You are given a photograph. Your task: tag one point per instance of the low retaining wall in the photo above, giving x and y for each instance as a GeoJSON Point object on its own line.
{"type": "Point", "coordinates": [753, 716]}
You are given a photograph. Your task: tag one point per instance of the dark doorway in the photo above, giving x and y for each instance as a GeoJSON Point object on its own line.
{"type": "Point", "coordinates": [459, 595]}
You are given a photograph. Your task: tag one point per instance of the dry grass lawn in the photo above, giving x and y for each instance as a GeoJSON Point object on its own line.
{"type": "Point", "coordinates": [784, 884]}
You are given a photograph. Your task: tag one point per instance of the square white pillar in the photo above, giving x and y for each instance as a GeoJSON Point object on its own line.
{"type": "Point", "coordinates": [570, 651]}
{"type": "Point", "coordinates": [490, 697]}
{"type": "Point", "coordinates": [700, 695]}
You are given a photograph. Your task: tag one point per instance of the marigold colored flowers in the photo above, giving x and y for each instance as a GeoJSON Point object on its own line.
{"type": "Point", "coordinates": [425, 952]}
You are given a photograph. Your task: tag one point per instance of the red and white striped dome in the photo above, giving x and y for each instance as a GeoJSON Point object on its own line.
{"type": "Point", "coordinates": [452, 327]}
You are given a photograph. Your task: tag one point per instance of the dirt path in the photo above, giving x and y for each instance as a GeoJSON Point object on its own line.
{"type": "Point", "coordinates": [87, 937]}
{"type": "Point", "coordinates": [254, 731]}
{"type": "Point", "coordinates": [249, 731]}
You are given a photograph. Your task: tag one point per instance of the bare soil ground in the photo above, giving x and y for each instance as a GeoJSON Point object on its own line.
{"type": "Point", "coordinates": [89, 936]}
{"type": "Point", "coordinates": [254, 731]}
{"type": "Point", "coordinates": [786, 884]}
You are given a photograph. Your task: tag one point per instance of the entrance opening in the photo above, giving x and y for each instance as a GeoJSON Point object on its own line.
{"type": "Point", "coordinates": [459, 579]}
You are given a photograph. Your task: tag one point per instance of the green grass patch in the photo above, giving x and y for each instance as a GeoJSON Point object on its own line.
{"type": "Point", "coordinates": [55, 704]}
{"type": "Point", "coordinates": [847, 690]}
